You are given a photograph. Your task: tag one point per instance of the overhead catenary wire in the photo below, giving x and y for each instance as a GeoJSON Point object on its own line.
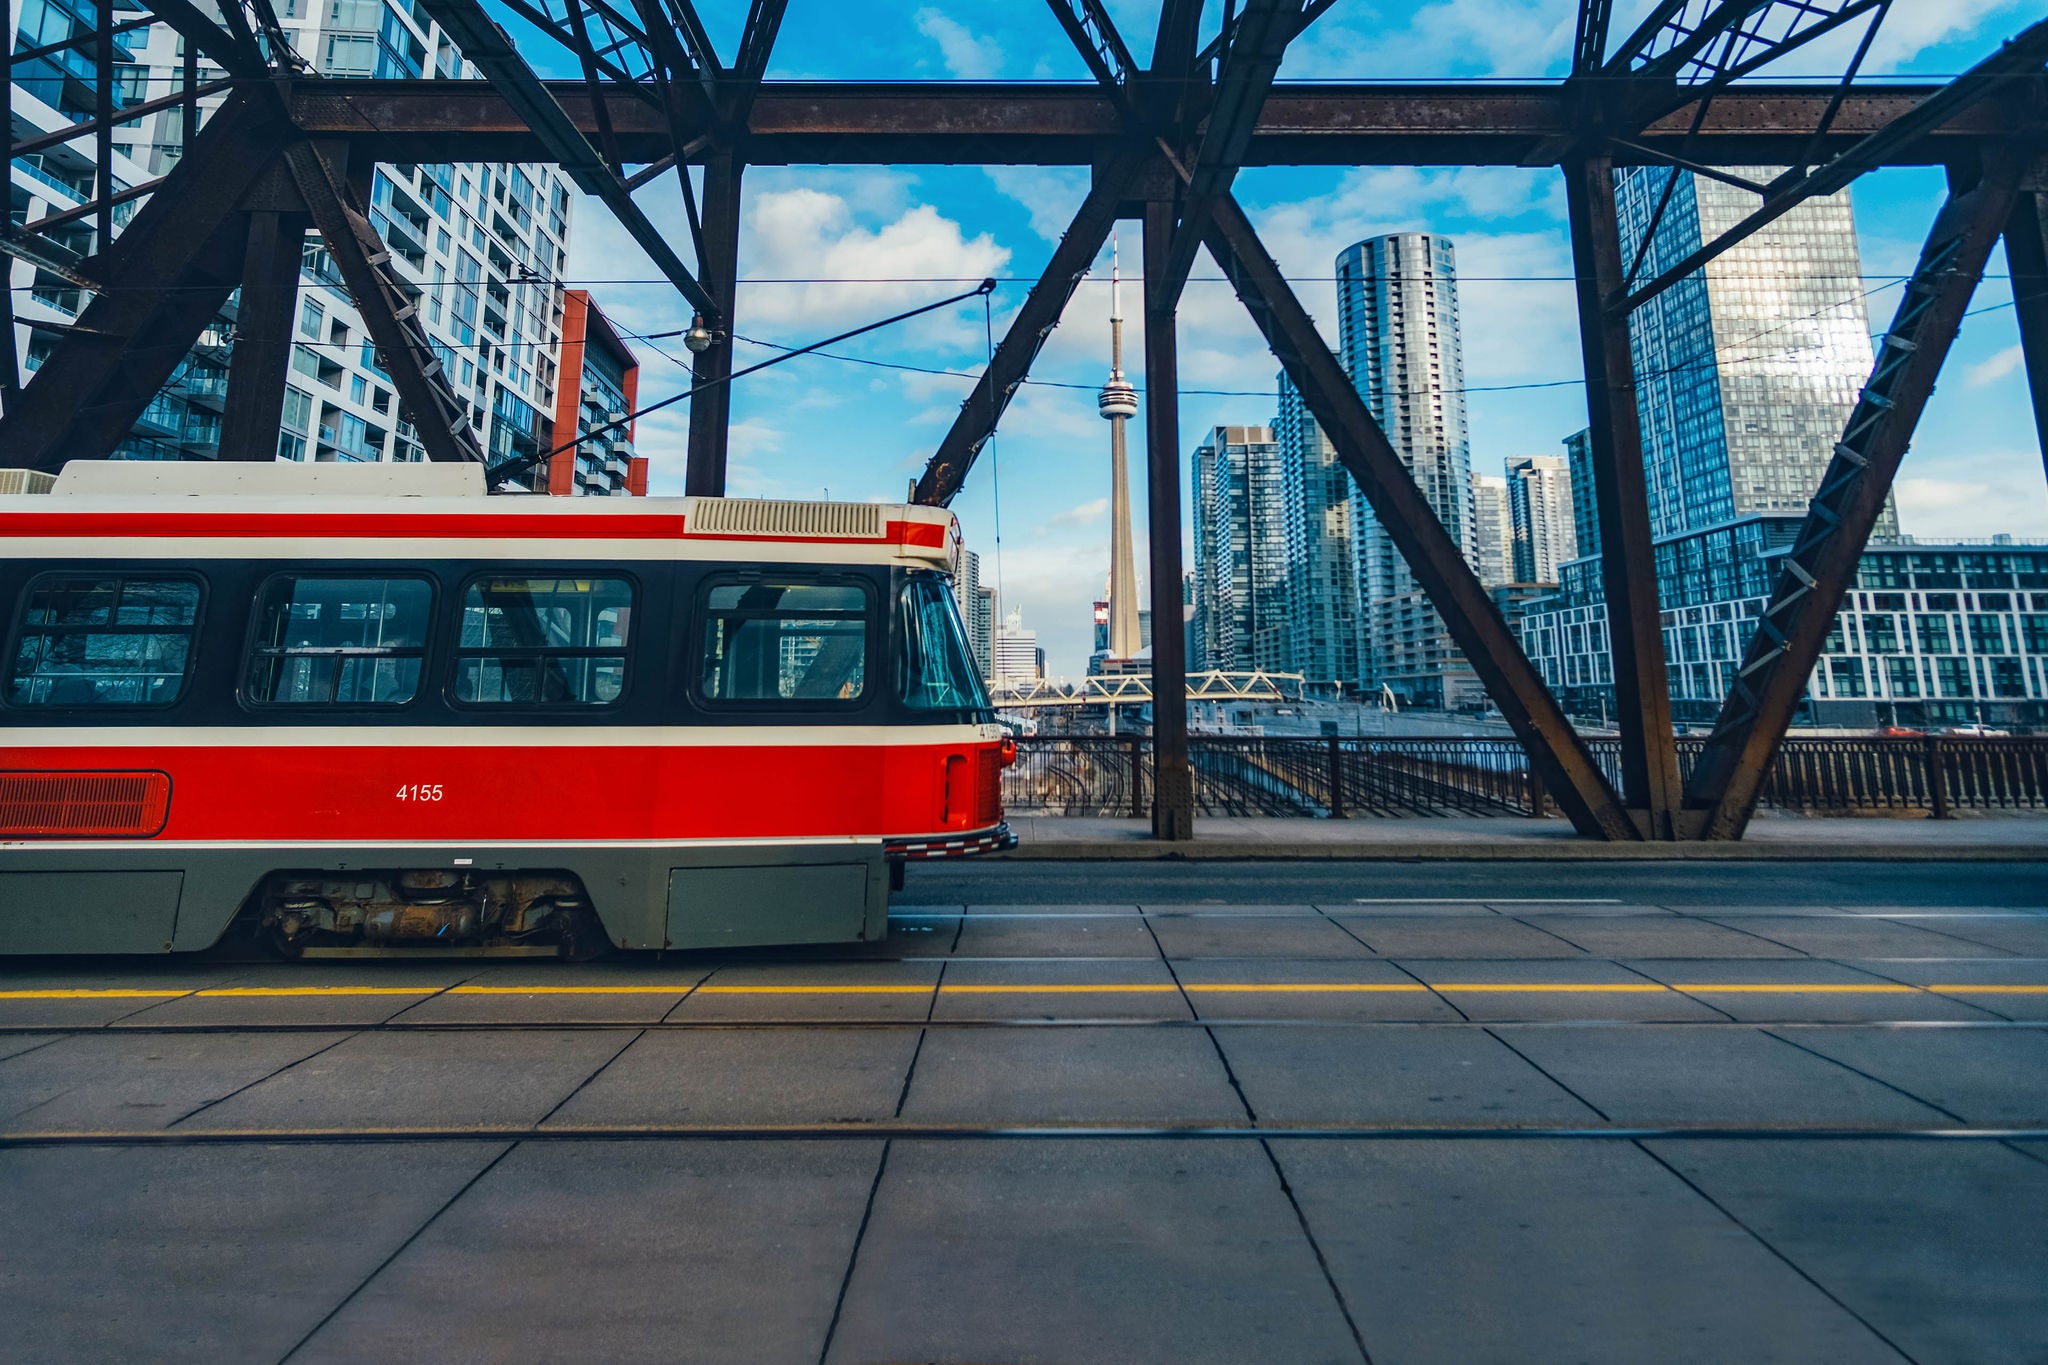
{"type": "Point", "coordinates": [498, 471]}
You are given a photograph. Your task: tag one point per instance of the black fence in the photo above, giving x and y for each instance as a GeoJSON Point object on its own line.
{"type": "Point", "coordinates": [1111, 775]}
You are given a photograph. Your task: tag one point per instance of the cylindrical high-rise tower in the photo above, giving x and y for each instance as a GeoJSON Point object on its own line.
{"type": "Point", "coordinates": [1118, 403]}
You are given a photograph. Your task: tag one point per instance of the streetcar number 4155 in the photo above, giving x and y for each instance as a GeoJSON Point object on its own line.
{"type": "Point", "coordinates": [423, 791]}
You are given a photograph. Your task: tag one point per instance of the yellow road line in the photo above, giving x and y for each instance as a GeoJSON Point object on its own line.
{"type": "Point", "coordinates": [1334, 987]}
{"type": "Point", "coordinates": [1044, 988]}
{"type": "Point", "coordinates": [1802, 988]}
{"type": "Point", "coordinates": [814, 990]}
{"type": "Point", "coordinates": [678, 989]}
{"type": "Point", "coordinates": [1571, 987]}
{"type": "Point", "coordinates": [267, 992]}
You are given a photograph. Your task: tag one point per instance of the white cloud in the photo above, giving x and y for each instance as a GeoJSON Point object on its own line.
{"type": "Point", "coordinates": [1996, 368]}
{"type": "Point", "coordinates": [966, 55]}
{"type": "Point", "coordinates": [1081, 515]}
{"type": "Point", "coordinates": [1912, 28]}
{"type": "Point", "coordinates": [1460, 37]}
{"type": "Point", "coordinates": [1992, 493]}
{"type": "Point", "coordinates": [849, 273]}
{"type": "Point", "coordinates": [1049, 193]}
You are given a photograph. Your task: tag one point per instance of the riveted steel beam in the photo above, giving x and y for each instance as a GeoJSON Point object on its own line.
{"type": "Point", "coordinates": [1649, 755]}
{"type": "Point", "coordinates": [159, 283]}
{"type": "Point", "coordinates": [794, 122]}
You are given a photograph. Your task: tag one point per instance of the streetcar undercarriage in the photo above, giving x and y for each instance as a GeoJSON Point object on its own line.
{"type": "Point", "coordinates": [431, 908]}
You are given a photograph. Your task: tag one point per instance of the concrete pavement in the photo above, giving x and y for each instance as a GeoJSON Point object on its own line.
{"type": "Point", "coordinates": [1078, 1112]}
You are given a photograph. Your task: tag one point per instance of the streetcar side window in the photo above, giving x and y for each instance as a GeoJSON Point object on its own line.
{"type": "Point", "coordinates": [937, 664]}
{"type": "Point", "coordinates": [103, 640]}
{"type": "Point", "coordinates": [784, 641]}
{"type": "Point", "coordinates": [543, 641]}
{"type": "Point", "coordinates": [337, 640]}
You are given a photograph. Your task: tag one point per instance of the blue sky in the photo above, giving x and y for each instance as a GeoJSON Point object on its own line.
{"type": "Point", "coordinates": [827, 248]}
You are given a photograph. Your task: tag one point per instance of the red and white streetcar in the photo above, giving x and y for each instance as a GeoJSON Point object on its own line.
{"type": "Point", "coordinates": [369, 706]}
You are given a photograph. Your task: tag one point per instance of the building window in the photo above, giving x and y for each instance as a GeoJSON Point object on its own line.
{"type": "Point", "coordinates": [336, 641]}
{"type": "Point", "coordinates": [1904, 675]}
{"type": "Point", "coordinates": [1987, 635]}
{"type": "Point", "coordinates": [784, 641]}
{"type": "Point", "coordinates": [1953, 673]}
{"type": "Point", "coordinates": [2008, 679]}
{"type": "Point", "coordinates": [312, 317]}
{"type": "Point", "coordinates": [543, 641]}
{"type": "Point", "coordinates": [91, 640]}
{"type": "Point", "coordinates": [297, 413]}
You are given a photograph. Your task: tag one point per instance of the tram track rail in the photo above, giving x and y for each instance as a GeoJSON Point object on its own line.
{"type": "Point", "coordinates": [891, 1130]}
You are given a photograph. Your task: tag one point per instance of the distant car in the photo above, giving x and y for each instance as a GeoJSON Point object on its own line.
{"type": "Point", "coordinates": [1976, 731]}
{"type": "Point", "coordinates": [1899, 732]}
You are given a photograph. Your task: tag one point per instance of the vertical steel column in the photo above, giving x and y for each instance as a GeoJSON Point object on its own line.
{"type": "Point", "coordinates": [1651, 789]}
{"type": "Point", "coordinates": [10, 354]}
{"type": "Point", "coordinates": [2026, 252]}
{"type": "Point", "coordinates": [711, 409]}
{"type": "Point", "coordinates": [103, 111]}
{"type": "Point", "coordinates": [263, 336]}
{"type": "Point", "coordinates": [1173, 780]}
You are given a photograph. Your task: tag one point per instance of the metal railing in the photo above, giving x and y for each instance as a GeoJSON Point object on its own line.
{"type": "Point", "coordinates": [1337, 777]}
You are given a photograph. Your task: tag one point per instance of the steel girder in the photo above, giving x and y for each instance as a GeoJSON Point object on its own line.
{"type": "Point", "coordinates": [1786, 645]}
{"type": "Point", "coordinates": [159, 284]}
{"type": "Point", "coordinates": [1173, 775]}
{"type": "Point", "coordinates": [486, 45]}
{"type": "Point", "coordinates": [718, 257]}
{"type": "Point", "coordinates": [1439, 565]}
{"type": "Point", "coordinates": [1053, 124]}
{"type": "Point", "coordinates": [1249, 65]}
{"type": "Point", "coordinates": [2026, 253]}
{"type": "Point", "coordinates": [1642, 694]}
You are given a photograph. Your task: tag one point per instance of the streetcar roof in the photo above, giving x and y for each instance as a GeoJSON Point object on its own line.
{"type": "Point", "coordinates": [134, 510]}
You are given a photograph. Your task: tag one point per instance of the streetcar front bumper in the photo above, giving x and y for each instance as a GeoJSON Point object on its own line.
{"type": "Point", "coordinates": [996, 839]}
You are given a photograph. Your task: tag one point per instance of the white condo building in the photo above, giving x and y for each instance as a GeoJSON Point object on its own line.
{"type": "Point", "coordinates": [481, 249]}
{"type": "Point", "coordinates": [1016, 652]}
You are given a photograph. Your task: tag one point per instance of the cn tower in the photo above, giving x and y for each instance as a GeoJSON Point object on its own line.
{"type": "Point", "coordinates": [1118, 403]}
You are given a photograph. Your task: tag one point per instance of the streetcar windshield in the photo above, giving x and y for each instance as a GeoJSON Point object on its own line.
{"type": "Point", "coordinates": [937, 664]}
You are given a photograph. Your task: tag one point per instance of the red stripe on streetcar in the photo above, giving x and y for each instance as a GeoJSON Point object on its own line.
{"type": "Point", "coordinates": [271, 526]}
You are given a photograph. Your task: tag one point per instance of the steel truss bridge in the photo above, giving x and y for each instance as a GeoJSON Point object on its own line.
{"type": "Point", "coordinates": [273, 153]}
{"type": "Point", "coordinates": [1136, 688]}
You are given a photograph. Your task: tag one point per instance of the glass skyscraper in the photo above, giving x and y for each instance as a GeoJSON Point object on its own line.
{"type": "Point", "coordinates": [1746, 370]}
{"type": "Point", "coordinates": [1397, 323]}
{"type": "Point", "coordinates": [1327, 630]}
{"type": "Point", "coordinates": [1540, 510]}
{"type": "Point", "coordinates": [1241, 553]}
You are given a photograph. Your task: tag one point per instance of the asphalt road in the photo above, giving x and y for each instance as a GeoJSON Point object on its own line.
{"type": "Point", "coordinates": [1139, 1112]}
